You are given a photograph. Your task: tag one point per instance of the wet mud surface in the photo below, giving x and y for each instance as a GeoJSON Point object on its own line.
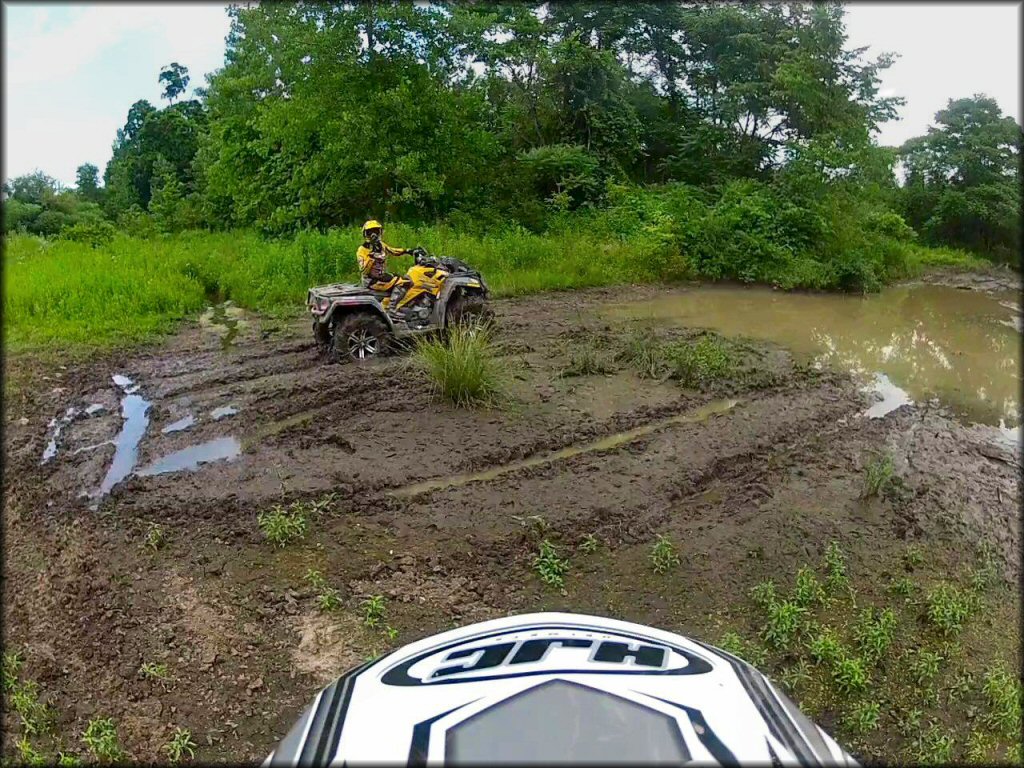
{"type": "Point", "coordinates": [435, 508]}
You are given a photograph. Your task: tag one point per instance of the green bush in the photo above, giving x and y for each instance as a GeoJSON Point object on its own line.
{"type": "Point", "coordinates": [462, 368]}
{"type": "Point", "coordinates": [695, 364]}
{"type": "Point", "coordinates": [92, 232]}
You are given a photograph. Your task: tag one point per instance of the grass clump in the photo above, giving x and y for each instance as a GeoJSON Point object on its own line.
{"type": "Point", "coordinates": [11, 668]}
{"type": "Point", "coordinates": [181, 744]}
{"type": "Point", "coordinates": [1003, 694]}
{"type": "Point", "coordinates": [785, 617]}
{"type": "Point", "coordinates": [836, 580]}
{"type": "Point", "coordinates": [874, 632]}
{"type": "Point", "coordinates": [933, 747]}
{"type": "Point", "coordinates": [586, 361]}
{"type": "Point", "coordinates": [462, 367]}
{"type": "Point", "coordinates": [878, 475]}
{"type": "Point", "coordinates": [663, 555]}
{"type": "Point", "coordinates": [328, 598]}
{"type": "Point", "coordinates": [948, 608]}
{"type": "Point", "coordinates": [100, 737]}
{"type": "Point", "coordinates": [924, 666]}
{"type": "Point", "coordinates": [589, 544]}
{"type": "Point", "coordinates": [550, 566]}
{"type": "Point", "coordinates": [863, 717]}
{"type": "Point", "coordinates": [153, 671]}
{"type": "Point", "coordinates": [732, 643]}
{"type": "Point", "coordinates": [283, 525]}
{"type": "Point", "coordinates": [695, 364]}
{"type": "Point", "coordinates": [36, 716]}
{"type": "Point", "coordinates": [809, 591]}
{"type": "Point", "coordinates": [642, 351]}
{"type": "Point", "coordinates": [155, 538]}
{"type": "Point", "coordinates": [373, 609]}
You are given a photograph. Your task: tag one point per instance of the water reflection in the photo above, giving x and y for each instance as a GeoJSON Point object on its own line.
{"type": "Point", "coordinates": [932, 342]}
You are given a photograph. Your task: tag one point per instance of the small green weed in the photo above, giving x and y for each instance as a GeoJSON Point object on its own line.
{"type": "Point", "coordinates": [283, 525]}
{"type": "Point", "coordinates": [824, 647]}
{"type": "Point", "coordinates": [328, 598]}
{"type": "Point", "coordinates": [28, 754]}
{"type": "Point", "coordinates": [155, 537]}
{"type": "Point", "coordinates": [961, 686]}
{"type": "Point", "coordinates": [979, 745]}
{"type": "Point", "coordinates": [550, 566]}
{"type": "Point", "coordinates": [902, 587]}
{"type": "Point", "coordinates": [784, 619]}
{"type": "Point", "coordinates": [100, 737]}
{"type": "Point", "coordinates": [11, 668]}
{"type": "Point", "coordinates": [68, 760]}
{"type": "Point", "coordinates": [586, 361]}
{"type": "Point", "coordinates": [181, 744]}
{"type": "Point", "coordinates": [36, 717]}
{"type": "Point", "coordinates": [643, 352]}
{"type": "Point", "coordinates": [1003, 694]}
{"type": "Point", "coordinates": [863, 717]}
{"type": "Point", "coordinates": [849, 675]}
{"type": "Point", "coordinates": [663, 555]}
{"type": "Point", "coordinates": [589, 544]}
{"type": "Point", "coordinates": [795, 675]}
{"type": "Point", "coordinates": [909, 722]}
{"type": "Point", "coordinates": [948, 608]}
{"type": "Point", "coordinates": [913, 557]}
{"type": "Point", "coordinates": [463, 367]}
{"type": "Point", "coordinates": [874, 632]}
{"type": "Point", "coordinates": [737, 646]}
{"type": "Point", "coordinates": [707, 360]}
{"type": "Point", "coordinates": [153, 671]}
{"type": "Point", "coordinates": [763, 594]}
{"type": "Point", "coordinates": [835, 564]}
{"type": "Point", "coordinates": [934, 747]}
{"type": "Point", "coordinates": [878, 473]}
{"type": "Point", "coordinates": [373, 610]}
{"type": "Point", "coordinates": [809, 590]}
{"type": "Point", "coordinates": [924, 665]}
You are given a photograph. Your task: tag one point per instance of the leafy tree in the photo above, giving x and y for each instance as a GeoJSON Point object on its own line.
{"type": "Point", "coordinates": [87, 182]}
{"type": "Point", "coordinates": [962, 182]}
{"type": "Point", "coordinates": [175, 80]}
{"type": "Point", "coordinates": [35, 188]}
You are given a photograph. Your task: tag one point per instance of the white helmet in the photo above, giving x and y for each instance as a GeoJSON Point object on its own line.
{"type": "Point", "coordinates": [555, 687]}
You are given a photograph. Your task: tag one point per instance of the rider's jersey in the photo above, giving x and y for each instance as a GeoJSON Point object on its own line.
{"type": "Point", "coordinates": [372, 262]}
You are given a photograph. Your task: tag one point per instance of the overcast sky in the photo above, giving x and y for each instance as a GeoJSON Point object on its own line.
{"type": "Point", "coordinates": [72, 71]}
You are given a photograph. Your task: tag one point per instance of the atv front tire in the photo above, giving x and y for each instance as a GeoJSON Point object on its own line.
{"type": "Point", "coordinates": [468, 309]}
{"type": "Point", "coordinates": [358, 337]}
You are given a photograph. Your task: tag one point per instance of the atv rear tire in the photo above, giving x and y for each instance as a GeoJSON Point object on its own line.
{"type": "Point", "coordinates": [358, 337]}
{"type": "Point", "coordinates": [322, 335]}
{"type": "Point", "coordinates": [468, 309]}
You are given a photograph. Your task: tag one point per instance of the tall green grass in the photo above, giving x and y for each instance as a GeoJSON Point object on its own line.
{"type": "Point", "coordinates": [462, 367]}
{"type": "Point", "coordinates": [61, 294]}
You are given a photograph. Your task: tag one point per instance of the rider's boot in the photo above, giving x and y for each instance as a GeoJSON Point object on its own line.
{"type": "Point", "coordinates": [397, 293]}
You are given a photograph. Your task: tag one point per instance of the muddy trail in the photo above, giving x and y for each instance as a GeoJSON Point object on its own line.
{"type": "Point", "coordinates": [133, 485]}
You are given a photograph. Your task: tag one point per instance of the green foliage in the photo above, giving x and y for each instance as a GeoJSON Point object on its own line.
{"type": "Point", "coordinates": [94, 232]}
{"type": "Point", "coordinates": [153, 671]}
{"type": "Point", "coordinates": [785, 618]}
{"type": "Point", "coordinates": [550, 566]}
{"type": "Point", "coordinates": [36, 716]}
{"type": "Point", "coordinates": [903, 586]}
{"type": "Point", "coordinates": [808, 591]}
{"type": "Point", "coordinates": [850, 675]}
{"type": "Point", "coordinates": [586, 361]}
{"type": "Point", "coordinates": [924, 665]}
{"type": "Point", "coordinates": [100, 737]}
{"type": "Point", "coordinates": [1003, 694]}
{"type": "Point", "coordinates": [874, 632]}
{"type": "Point", "coordinates": [764, 594]}
{"type": "Point", "coordinates": [283, 525]}
{"type": "Point", "coordinates": [835, 563]}
{"type": "Point", "coordinates": [825, 648]}
{"type": "Point", "coordinates": [155, 537]}
{"type": "Point", "coordinates": [12, 664]}
{"type": "Point", "coordinates": [462, 367]}
{"type": "Point", "coordinates": [878, 473]}
{"type": "Point", "coordinates": [863, 717]}
{"type": "Point", "coordinates": [328, 598]}
{"type": "Point", "coordinates": [948, 608]}
{"type": "Point", "coordinates": [374, 610]}
{"type": "Point", "coordinates": [181, 744]}
{"type": "Point", "coordinates": [933, 747]}
{"type": "Point", "coordinates": [696, 364]}
{"type": "Point", "coordinates": [737, 646]}
{"type": "Point", "coordinates": [663, 555]}
{"type": "Point", "coordinates": [589, 544]}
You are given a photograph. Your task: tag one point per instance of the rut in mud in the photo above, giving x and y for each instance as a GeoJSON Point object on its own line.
{"type": "Point", "coordinates": [436, 509]}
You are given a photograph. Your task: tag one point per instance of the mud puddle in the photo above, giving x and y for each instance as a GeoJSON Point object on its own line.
{"type": "Point", "coordinates": [911, 343]}
{"type": "Point", "coordinates": [604, 444]}
{"type": "Point", "coordinates": [225, 320]}
{"type": "Point", "coordinates": [191, 458]}
{"type": "Point", "coordinates": [135, 413]}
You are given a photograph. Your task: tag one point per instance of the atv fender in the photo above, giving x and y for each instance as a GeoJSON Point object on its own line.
{"type": "Point", "coordinates": [451, 288]}
{"type": "Point", "coordinates": [348, 304]}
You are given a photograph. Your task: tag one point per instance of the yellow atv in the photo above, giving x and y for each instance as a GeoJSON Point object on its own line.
{"type": "Point", "coordinates": [353, 322]}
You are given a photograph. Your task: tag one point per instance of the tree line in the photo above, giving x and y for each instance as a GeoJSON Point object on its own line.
{"type": "Point", "coordinates": [486, 115]}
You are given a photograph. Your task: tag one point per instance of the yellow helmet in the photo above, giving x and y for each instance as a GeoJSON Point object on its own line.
{"type": "Point", "coordinates": [372, 224]}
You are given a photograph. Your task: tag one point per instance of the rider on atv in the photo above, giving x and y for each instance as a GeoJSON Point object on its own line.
{"type": "Point", "coordinates": [372, 256]}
